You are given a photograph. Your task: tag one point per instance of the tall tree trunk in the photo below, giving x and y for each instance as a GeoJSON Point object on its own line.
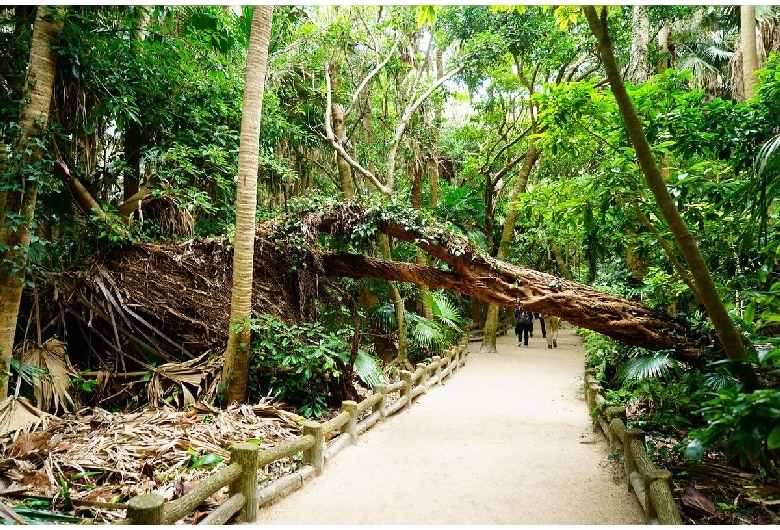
{"type": "Point", "coordinates": [726, 330]}
{"type": "Point", "coordinates": [663, 43]}
{"type": "Point", "coordinates": [345, 170]}
{"type": "Point", "coordinates": [39, 85]}
{"type": "Point", "coordinates": [132, 177]}
{"type": "Point", "coordinates": [432, 164]}
{"type": "Point", "coordinates": [639, 66]}
{"type": "Point", "coordinates": [747, 18]}
{"type": "Point", "coordinates": [416, 170]}
{"type": "Point", "coordinates": [491, 320]}
{"type": "Point", "coordinates": [235, 373]}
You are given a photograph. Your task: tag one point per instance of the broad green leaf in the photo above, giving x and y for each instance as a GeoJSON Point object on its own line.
{"type": "Point", "coordinates": [773, 440]}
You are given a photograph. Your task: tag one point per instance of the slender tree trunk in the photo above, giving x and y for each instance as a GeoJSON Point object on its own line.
{"type": "Point", "coordinates": [38, 90]}
{"type": "Point", "coordinates": [663, 43]}
{"type": "Point", "coordinates": [747, 18]}
{"type": "Point", "coordinates": [727, 332]}
{"type": "Point", "coordinates": [345, 170]}
{"type": "Point", "coordinates": [416, 170]}
{"type": "Point", "coordinates": [560, 261]}
{"type": "Point", "coordinates": [132, 177]}
{"type": "Point", "coordinates": [432, 164]}
{"type": "Point", "coordinates": [491, 320]}
{"type": "Point", "coordinates": [639, 67]}
{"type": "Point", "coordinates": [235, 373]}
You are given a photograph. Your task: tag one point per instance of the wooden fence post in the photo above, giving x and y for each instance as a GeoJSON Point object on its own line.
{"type": "Point", "coordinates": [382, 405]}
{"type": "Point", "coordinates": [453, 356]}
{"type": "Point", "coordinates": [351, 426]}
{"type": "Point", "coordinates": [406, 377]}
{"type": "Point", "coordinates": [423, 376]}
{"type": "Point", "coordinates": [245, 454]}
{"type": "Point", "coordinates": [146, 509]}
{"type": "Point", "coordinates": [628, 453]}
{"type": "Point", "coordinates": [315, 456]}
{"type": "Point", "coordinates": [437, 360]}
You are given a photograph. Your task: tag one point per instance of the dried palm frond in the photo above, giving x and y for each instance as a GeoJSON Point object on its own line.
{"type": "Point", "coordinates": [51, 392]}
{"type": "Point", "coordinates": [18, 414]}
{"type": "Point", "coordinates": [193, 372]}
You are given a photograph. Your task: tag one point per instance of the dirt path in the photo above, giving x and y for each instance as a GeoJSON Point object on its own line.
{"type": "Point", "coordinates": [506, 440]}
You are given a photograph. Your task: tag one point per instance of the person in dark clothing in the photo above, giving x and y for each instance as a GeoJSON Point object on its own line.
{"type": "Point", "coordinates": [541, 323]}
{"type": "Point", "coordinates": [524, 322]}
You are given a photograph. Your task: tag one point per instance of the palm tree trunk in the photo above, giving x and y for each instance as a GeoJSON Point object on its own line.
{"type": "Point", "coordinates": [235, 373]}
{"type": "Point", "coordinates": [747, 18]}
{"type": "Point", "coordinates": [41, 73]}
{"type": "Point", "coordinates": [724, 327]}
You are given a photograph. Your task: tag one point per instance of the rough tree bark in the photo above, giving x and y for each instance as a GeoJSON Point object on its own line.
{"type": "Point", "coordinates": [21, 200]}
{"type": "Point", "coordinates": [235, 373]}
{"type": "Point", "coordinates": [473, 273]}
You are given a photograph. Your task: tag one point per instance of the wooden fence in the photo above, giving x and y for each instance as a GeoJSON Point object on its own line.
{"type": "Point", "coordinates": [650, 484]}
{"type": "Point", "coordinates": [241, 475]}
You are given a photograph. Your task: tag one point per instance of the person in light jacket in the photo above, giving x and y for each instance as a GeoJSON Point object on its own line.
{"type": "Point", "coordinates": [552, 324]}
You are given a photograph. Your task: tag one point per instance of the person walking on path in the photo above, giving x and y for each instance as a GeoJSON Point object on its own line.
{"type": "Point", "coordinates": [541, 324]}
{"type": "Point", "coordinates": [552, 323]}
{"type": "Point", "coordinates": [524, 322]}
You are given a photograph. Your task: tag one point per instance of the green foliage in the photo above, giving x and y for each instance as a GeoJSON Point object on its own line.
{"type": "Point", "coordinates": [657, 365]}
{"type": "Point", "coordinates": [207, 461]}
{"type": "Point", "coordinates": [747, 425]}
{"type": "Point", "coordinates": [424, 337]}
{"type": "Point", "coordinates": [296, 362]}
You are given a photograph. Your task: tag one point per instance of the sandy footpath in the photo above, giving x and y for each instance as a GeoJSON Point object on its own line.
{"type": "Point", "coordinates": [505, 440]}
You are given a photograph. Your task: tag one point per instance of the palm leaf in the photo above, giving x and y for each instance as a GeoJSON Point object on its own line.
{"type": "Point", "coordinates": [767, 155]}
{"type": "Point", "coordinates": [716, 382]}
{"type": "Point", "coordinates": [424, 332]}
{"type": "Point", "coordinates": [29, 372]}
{"type": "Point", "coordinates": [444, 311]}
{"type": "Point", "coordinates": [368, 370]}
{"type": "Point", "coordinates": [646, 366]}
{"type": "Point", "coordinates": [51, 392]}
{"type": "Point", "coordinates": [384, 315]}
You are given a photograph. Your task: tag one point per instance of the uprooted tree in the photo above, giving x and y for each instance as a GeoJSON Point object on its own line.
{"type": "Point", "coordinates": [172, 301]}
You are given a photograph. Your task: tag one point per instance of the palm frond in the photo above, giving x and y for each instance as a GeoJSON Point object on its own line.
{"type": "Point", "coordinates": [716, 382]}
{"type": "Point", "coordinates": [701, 69]}
{"type": "Point", "coordinates": [384, 315]}
{"type": "Point", "coordinates": [767, 155]}
{"type": "Point", "coordinates": [51, 392]}
{"type": "Point", "coordinates": [29, 372]}
{"type": "Point", "coordinates": [368, 370]}
{"type": "Point", "coordinates": [444, 311]}
{"type": "Point", "coordinates": [647, 366]}
{"type": "Point", "coordinates": [424, 332]}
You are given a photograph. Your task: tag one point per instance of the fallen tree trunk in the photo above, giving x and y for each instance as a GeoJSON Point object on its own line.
{"type": "Point", "coordinates": [474, 273]}
{"type": "Point", "coordinates": [578, 304]}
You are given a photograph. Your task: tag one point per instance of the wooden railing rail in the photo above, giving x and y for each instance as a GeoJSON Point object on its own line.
{"type": "Point", "coordinates": [650, 484]}
{"type": "Point", "coordinates": [241, 475]}
{"type": "Point", "coordinates": [241, 478]}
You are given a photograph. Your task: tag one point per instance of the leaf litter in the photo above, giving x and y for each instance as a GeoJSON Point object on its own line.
{"type": "Point", "coordinates": [91, 462]}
